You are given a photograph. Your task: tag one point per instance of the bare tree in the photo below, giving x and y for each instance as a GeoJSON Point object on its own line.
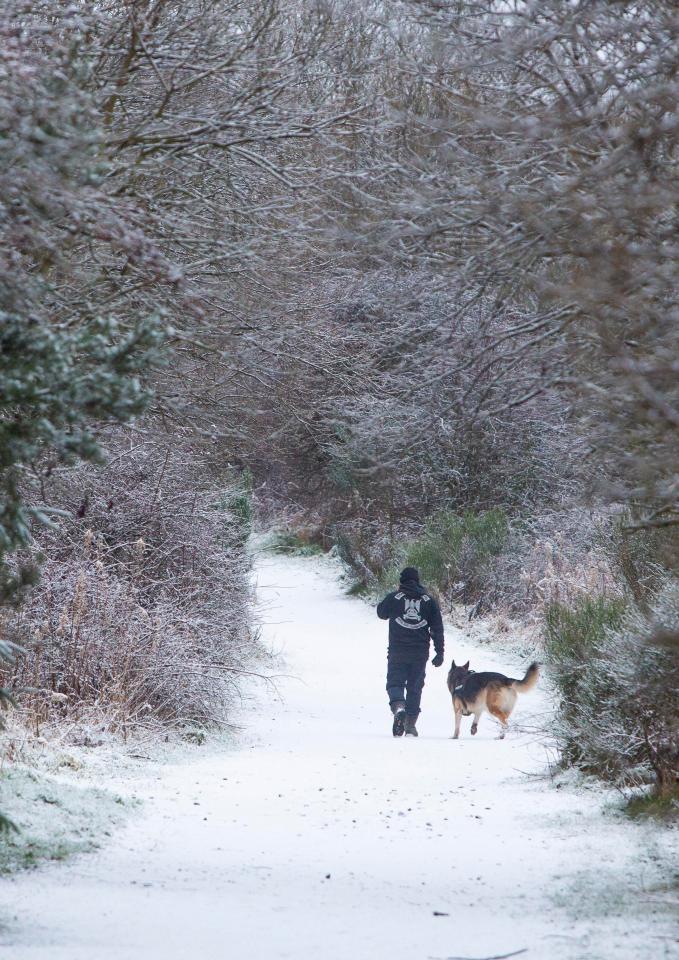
{"type": "Point", "coordinates": [540, 169]}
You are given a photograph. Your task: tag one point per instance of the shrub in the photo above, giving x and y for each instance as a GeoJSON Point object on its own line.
{"type": "Point", "coordinates": [554, 557]}
{"type": "Point", "coordinates": [615, 667]}
{"type": "Point", "coordinates": [143, 613]}
{"type": "Point", "coordinates": [575, 638]}
{"type": "Point", "coordinates": [456, 552]}
{"type": "Point", "coordinates": [68, 359]}
{"type": "Point", "coordinates": [529, 563]}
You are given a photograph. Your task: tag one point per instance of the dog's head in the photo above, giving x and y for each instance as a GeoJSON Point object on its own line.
{"type": "Point", "coordinates": [457, 675]}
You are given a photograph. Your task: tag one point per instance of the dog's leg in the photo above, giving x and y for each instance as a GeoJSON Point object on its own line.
{"type": "Point", "coordinates": [458, 718]}
{"type": "Point", "coordinates": [503, 717]}
{"type": "Point", "coordinates": [502, 707]}
{"type": "Point", "coordinates": [496, 710]}
{"type": "Point", "coordinates": [475, 724]}
{"type": "Point", "coordinates": [500, 703]}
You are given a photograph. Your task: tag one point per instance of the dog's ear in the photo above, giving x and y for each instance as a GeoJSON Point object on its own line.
{"type": "Point", "coordinates": [466, 665]}
{"type": "Point", "coordinates": [452, 666]}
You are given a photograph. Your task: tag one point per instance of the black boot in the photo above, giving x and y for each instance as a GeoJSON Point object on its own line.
{"type": "Point", "coordinates": [398, 708]}
{"type": "Point", "coordinates": [411, 729]}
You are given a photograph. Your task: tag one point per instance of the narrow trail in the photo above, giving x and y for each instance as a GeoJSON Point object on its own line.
{"type": "Point", "coordinates": [323, 838]}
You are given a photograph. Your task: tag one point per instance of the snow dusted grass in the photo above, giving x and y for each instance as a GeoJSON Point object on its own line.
{"type": "Point", "coordinates": [61, 797]}
{"type": "Point", "coordinates": [72, 790]}
{"type": "Point", "coordinates": [55, 817]}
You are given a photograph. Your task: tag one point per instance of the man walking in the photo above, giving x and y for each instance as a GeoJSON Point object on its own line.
{"type": "Point", "coordinates": [414, 617]}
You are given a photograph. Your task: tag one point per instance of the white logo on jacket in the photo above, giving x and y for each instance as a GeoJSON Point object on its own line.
{"type": "Point", "coordinates": [412, 610]}
{"type": "Point", "coordinates": [411, 619]}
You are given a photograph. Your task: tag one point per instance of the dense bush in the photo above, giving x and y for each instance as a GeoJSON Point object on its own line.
{"type": "Point", "coordinates": [575, 638]}
{"type": "Point", "coordinates": [385, 442]}
{"type": "Point", "coordinates": [517, 565]}
{"type": "Point", "coordinates": [143, 614]}
{"type": "Point", "coordinates": [616, 673]}
{"type": "Point", "coordinates": [68, 359]}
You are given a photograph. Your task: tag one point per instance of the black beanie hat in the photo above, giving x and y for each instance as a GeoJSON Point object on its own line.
{"type": "Point", "coordinates": [409, 574]}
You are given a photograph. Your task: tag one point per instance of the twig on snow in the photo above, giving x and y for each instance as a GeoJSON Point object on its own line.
{"type": "Point", "coordinates": [498, 956]}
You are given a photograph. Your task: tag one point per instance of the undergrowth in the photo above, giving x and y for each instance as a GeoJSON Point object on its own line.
{"type": "Point", "coordinates": [652, 807]}
{"type": "Point", "coordinates": [616, 674]}
{"type": "Point", "coordinates": [294, 543]}
{"type": "Point", "coordinates": [454, 553]}
{"type": "Point", "coordinates": [143, 613]}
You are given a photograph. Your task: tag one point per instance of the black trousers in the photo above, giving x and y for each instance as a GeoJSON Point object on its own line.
{"type": "Point", "coordinates": [405, 678]}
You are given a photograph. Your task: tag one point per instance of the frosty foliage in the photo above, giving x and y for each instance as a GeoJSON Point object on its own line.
{"type": "Point", "coordinates": [391, 423]}
{"type": "Point", "coordinates": [143, 613]}
{"type": "Point", "coordinates": [373, 440]}
{"type": "Point", "coordinates": [617, 673]}
{"type": "Point", "coordinates": [67, 358]}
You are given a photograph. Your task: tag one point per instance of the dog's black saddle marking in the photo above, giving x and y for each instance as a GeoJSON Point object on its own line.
{"type": "Point", "coordinates": [459, 690]}
{"type": "Point", "coordinates": [466, 712]}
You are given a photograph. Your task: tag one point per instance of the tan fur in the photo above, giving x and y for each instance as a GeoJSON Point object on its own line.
{"type": "Point", "coordinates": [497, 697]}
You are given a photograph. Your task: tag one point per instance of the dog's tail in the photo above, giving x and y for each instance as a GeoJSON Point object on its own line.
{"type": "Point", "coordinates": [529, 681]}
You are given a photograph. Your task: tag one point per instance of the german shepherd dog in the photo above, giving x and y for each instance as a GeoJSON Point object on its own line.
{"type": "Point", "coordinates": [473, 693]}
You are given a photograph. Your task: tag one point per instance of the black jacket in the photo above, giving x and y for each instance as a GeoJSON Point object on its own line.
{"type": "Point", "coordinates": [413, 618]}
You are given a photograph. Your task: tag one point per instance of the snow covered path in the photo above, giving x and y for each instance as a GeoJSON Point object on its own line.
{"type": "Point", "coordinates": [323, 838]}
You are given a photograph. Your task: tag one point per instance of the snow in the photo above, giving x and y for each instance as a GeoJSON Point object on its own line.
{"type": "Point", "coordinates": [320, 835]}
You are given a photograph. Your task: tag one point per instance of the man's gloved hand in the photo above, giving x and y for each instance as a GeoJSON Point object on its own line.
{"type": "Point", "coordinates": [438, 660]}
